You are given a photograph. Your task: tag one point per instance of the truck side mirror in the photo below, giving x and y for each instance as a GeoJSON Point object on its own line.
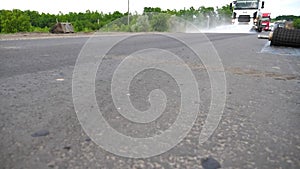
{"type": "Point", "coordinates": [262, 4]}
{"type": "Point", "coordinates": [230, 6]}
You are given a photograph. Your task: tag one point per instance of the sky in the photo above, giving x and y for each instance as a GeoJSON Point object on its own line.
{"type": "Point", "coordinates": [275, 7]}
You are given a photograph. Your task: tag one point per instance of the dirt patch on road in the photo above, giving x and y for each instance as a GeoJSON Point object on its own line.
{"type": "Point", "coordinates": [24, 36]}
{"type": "Point", "coordinates": [21, 36]}
{"type": "Point", "coordinates": [257, 73]}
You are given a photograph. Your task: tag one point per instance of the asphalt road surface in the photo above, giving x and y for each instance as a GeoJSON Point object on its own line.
{"type": "Point", "coordinates": [260, 125]}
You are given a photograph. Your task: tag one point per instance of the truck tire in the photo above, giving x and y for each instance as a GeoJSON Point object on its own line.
{"type": "Point", "coordinates": [259, 30]}
{"type": "Point", "coordinates": [286, 37]}
{"type": "Point", "coordinates": [259, 27]}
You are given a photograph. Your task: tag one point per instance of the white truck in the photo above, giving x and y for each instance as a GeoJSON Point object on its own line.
{"type": "Point", "coordinates": [248, 12]}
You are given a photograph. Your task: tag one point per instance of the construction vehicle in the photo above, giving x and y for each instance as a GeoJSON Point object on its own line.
{"type": "Point", "coordinates": [248, 12]}
{"type": "Point", "coordinates": [283, 37]}
{"type": "Point", "coordinates": [265, 21]}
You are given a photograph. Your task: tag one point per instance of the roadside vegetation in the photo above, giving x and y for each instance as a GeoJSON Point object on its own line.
{"type": "Point", "coordinates": [152, 19]}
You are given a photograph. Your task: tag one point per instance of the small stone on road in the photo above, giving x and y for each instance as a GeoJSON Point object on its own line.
{"type": "Point", "coordinates": [210, 163]}
{"type": "Point", "coordinates": [40, 133]}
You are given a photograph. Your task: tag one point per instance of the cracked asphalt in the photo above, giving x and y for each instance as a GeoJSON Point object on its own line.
{"type": "Point", "coordinates": [260, 126]}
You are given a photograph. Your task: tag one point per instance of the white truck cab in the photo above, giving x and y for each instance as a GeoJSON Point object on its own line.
{"type": "Point", "coordinates": [247, 12]}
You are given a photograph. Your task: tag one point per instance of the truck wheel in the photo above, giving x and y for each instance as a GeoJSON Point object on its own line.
{"type": "Point", "coordinates": [286, 37]}
{"type": "Point", "coordinates": [259, 30]}
{"type": "Point", "coordinates": [259, 27]}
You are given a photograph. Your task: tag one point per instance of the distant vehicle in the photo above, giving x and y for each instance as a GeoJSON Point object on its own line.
{"type": "Point", "coordinates": [248, 12]}
{"type": "Point", "coordinates": [280, 24]}
{"type": "Point", "coordinates": [271, 26]}
{"type": "Point", "coordinates": [283, 24]}
{"type": "Point", "coordinates": [265, 21]}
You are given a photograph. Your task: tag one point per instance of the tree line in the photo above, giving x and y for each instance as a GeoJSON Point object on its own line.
{"type": "Point", "coordinates": [152, 19]}
{"type": "Point", "coordinates": [12, 21]}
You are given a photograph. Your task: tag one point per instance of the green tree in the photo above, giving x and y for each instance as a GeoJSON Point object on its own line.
{"type": "Point", "coordinates": [34, 17]}
{"type": "Point", "coordinates": [296, 23]}
{"type": "Point", "coordinates": [287, 17]}
{"type": "Point", "coordinates": [141, 25]}
{"type": "Point", "coordinates": [150, 9]}
{"type": "Point", "coordinates": [14, 21]}
{"type": "Point", "coordinates": [224, 14]}
{"type": "Point", "coordinates": [159, 22]}
{"type": "Point", "coordinates": [46, 20]}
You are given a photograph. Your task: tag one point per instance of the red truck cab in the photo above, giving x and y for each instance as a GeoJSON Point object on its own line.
{"type": "Point", "coordinates": [266, 19]}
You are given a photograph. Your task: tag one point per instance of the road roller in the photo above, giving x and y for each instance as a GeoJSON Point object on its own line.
{"type": "Point", "coordinates": [283, 37]}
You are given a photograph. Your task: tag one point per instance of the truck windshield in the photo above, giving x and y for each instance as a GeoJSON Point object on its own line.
{"type": "Point", "coordinates": [246, 4]}
{"type": "Point", "coordinates": [265, 19]}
